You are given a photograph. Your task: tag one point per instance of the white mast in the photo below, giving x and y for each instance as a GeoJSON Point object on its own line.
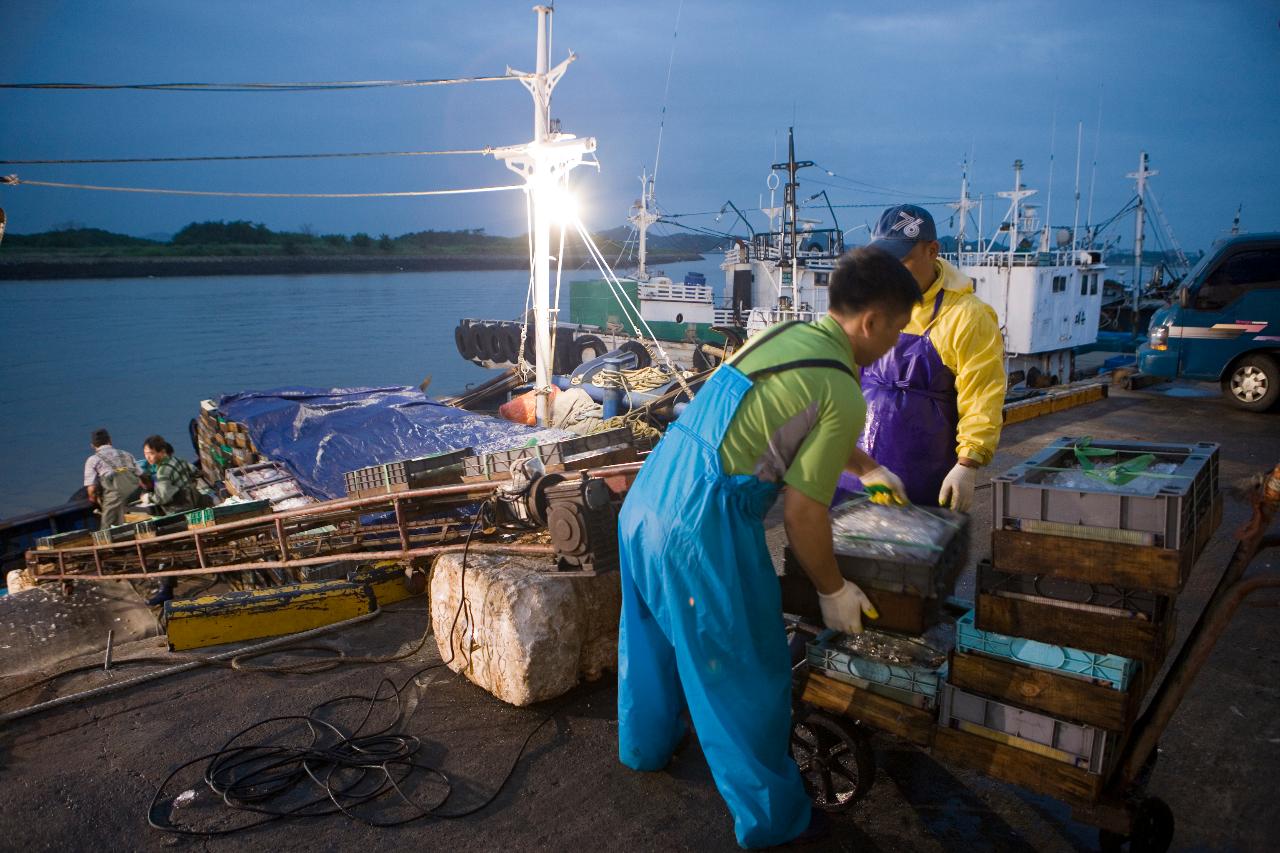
{"type": "Point", "coordinates": [1017, 196]}
{"type": "Point", "coordinates": [963, 206]}
{"type": "Point", "coordinates": [642, 217]}
{"type": "Point", "coordinates": [1141, 176]}
{"type": "Point", "coordinates": [545, 164]}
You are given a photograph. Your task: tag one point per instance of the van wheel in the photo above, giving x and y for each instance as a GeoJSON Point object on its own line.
{"type": "Point", "coordinates": [1253, 383]}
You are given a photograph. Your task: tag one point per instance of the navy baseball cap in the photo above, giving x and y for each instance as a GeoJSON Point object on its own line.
{"type": "Point", "coordinates": [901, 227]}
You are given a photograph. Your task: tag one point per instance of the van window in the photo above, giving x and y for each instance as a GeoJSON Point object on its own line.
{"type": "Point", "coordinates": [1238, 275]}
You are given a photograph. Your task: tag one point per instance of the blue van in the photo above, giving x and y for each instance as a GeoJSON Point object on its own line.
{"type": "Point", "coordinates": [1224, 323]}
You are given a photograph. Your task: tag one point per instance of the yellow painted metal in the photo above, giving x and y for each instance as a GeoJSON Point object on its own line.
{"type": "Point", "coordinates": [212, 620]}
{"type": "Point", "coordinates": [388, 581]}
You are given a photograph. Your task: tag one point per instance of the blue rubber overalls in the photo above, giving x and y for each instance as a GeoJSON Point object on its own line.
{"type": "Point", "coordinates": [911, 416]}
{"type": "Point", "coordinates": [701, 611]}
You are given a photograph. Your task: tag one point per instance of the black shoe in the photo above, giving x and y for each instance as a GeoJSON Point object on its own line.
{"type": "Point", "coordinates": [161, 595]}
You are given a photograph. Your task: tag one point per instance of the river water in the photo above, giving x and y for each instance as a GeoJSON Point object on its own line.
{"type": "Point", "coordinates": [138, 355]}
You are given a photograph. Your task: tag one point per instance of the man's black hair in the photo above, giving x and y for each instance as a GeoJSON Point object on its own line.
{"type": "Point", "coordinates": [156, 442]}
{"type": "Point", "coordinates": [99, 438]}
{"type": "Point", "coordinates": [868, 277]}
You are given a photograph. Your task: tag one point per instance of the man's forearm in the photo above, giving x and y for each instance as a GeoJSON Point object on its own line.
{"type": "Point", "coordinates": [860, 462]}
{"type": "Point", "coordinates": [809, 533]}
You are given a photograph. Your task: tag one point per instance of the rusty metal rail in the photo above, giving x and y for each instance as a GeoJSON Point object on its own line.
{"type": "Point", "coordinates": [289, 540]}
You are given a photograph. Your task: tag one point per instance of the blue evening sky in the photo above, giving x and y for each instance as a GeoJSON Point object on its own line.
{"type": "Point", "coordinates": [892, 95]}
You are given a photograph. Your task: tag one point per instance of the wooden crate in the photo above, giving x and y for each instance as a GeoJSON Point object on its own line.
{"type": "Point", "coordinates": [1069, 697]}
{"type": "Point", "coordinates": [1142, 639]}
{"type": "Point", "coordinates": [879, 712]}
{"type": "Point", "coordinates": [1036, 773]}
{"type": "Point", "coordinates": [1091, 561]}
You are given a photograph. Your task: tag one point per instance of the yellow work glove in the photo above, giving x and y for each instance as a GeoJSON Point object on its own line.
{"type": "Point", "coordinates": [842, 611]}
{"type": "Point", "coordinates": [957, 488]}
{"type": "Point", "coordinates": [884, 487]}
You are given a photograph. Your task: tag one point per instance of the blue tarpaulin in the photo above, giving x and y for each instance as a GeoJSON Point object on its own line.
{"type": "Point", "coordinates": [320, 434]}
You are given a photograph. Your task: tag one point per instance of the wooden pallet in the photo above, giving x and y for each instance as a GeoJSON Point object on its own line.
{"type": "Point", "coordinates": [1055, 401]}
{"type": "Point", "coordinates": [1037, 773]}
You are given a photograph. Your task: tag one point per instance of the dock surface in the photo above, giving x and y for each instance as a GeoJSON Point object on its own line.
{"type": "Point", "coordinates": [90, 770]}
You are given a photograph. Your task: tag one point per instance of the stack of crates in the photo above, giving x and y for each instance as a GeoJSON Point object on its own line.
{"type": "Point", "coordinates": [405, 475]}
{"type": "Point", "coordinates": [902, 655]}
{"type": "Point", "coordinates": [221, 443]}
{"type": "Point", "coordinates": [1075, 611]}
{"type": "Point", "coordinates": [228, 512]}
{"type": "Point", "coordinates": [269, 481]}
{"type": "Point", "coordinates": [610, 447]}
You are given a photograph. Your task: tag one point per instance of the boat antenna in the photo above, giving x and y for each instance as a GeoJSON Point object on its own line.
{"type": "Point", "coordinates": [962, 206]}
{"type": "Point", "coordinates": [1075, 221]}
{"type": "Point", "coordinates": [666, 94]}
{"type": "Point", "coordinates": [1048, 201]}
{"type": "Point", "coordinates": [1235, 223]}
{"type": "Point", "coordinates": [1093, 172]}
{"type": "Point", "coordinates": [790, 222]}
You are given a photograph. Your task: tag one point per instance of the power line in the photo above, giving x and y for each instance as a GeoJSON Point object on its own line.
{"type": "Point", "coordinates": [222, 157]}
{"type": "Point", "coordinates": [14, 180]}
{"type": "Point", "coordinates": [264, 87]}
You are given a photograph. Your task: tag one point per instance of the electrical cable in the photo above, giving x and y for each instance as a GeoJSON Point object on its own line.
{"type": "Point", "coordinates": [329, 86]}
{"type": "Point", "coordinates": [225, 157]}
{"type": "Point", "coordinates": [14, 180]}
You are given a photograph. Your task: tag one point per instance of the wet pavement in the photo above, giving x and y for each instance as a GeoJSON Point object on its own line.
{"type": "Point", "coordinates": [86, 773]}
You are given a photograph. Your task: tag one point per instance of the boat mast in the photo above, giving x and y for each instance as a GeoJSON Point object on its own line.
{"type": "Point", "coordinates": [642, 218]}
{"type": "Point", "coordinates": [545, 164]}
{"type": "Point", "coordinates": [963, 206]}
{"type": "Point", "coordinates": [1141, 176]}
{"type": "Point", "coordinates": [791, 214]}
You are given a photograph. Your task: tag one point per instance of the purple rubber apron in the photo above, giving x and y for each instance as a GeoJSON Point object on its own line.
{"type": "Point", "coordinates": [911, 416]}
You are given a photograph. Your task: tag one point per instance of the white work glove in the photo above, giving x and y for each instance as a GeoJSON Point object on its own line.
{"type": "Point", "coordinates": [957, 488]}
{"type": "Point", "coordinates": [884, 487]}
{"type": "Point", "coordinates": [842, 611]}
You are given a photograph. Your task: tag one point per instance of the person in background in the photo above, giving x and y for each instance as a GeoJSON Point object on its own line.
{"type": "Point", "coordinates": [111, 477]}
{"type": "Point", "coordinates": [935, 401]}
{"type": "Point", "coordinates": [173, 489]}
{"type": "Point", "coordinates": [701, 624]}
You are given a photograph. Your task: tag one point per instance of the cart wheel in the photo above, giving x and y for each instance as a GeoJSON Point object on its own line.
{"type": "Point", "coordinates": [835, 761]}
{"type": "Point", "coordinates": [1152, 830]}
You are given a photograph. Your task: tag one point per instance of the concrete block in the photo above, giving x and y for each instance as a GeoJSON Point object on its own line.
{"type": "Point", "coordinates": [524, 635]}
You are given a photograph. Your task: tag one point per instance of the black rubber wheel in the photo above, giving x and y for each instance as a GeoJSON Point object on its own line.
{"type": "Point", "coordinates": [491, 335]}
{"type": "Point", "coordinates": [835, 760]}
{"type": "Point", "coordinates": [643, 359]}
{"type": "Point", "coordinates": [1152, 830]}
{"type": "Point", "coordinates": [1253, 382]}
{"type": "Point", "coordinates": [480, 337]}
{"type": "Point", "coordinates": [587, 347]}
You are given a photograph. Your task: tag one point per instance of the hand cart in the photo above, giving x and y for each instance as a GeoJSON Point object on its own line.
{"type": "Point", "coordinates": [833, 720]}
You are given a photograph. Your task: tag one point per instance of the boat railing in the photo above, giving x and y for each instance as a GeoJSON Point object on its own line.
{"type": "Point", "coordinates": [673, 292]}
{"type": "Point", "coordinates": [1059, 258]}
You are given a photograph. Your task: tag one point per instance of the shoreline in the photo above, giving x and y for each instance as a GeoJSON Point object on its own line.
{"type": "Point", "coordinates": [47, 267]}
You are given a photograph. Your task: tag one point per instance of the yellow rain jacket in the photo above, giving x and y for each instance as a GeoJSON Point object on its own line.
{"type": "Point", "coordinates": [967, 336]}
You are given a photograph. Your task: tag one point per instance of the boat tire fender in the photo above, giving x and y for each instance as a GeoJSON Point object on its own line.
{"type": "Point", "coordinates": [643, 359]}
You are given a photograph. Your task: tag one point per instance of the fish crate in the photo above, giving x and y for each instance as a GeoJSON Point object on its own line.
{"type": "Point", "coordinates": [212, 516]}
{"type": "Point", "coordinates": [906, 669]}
{"type": "Point", "coordinates": [907, 585]}
{"type": "Point", "coordinates": [1139, 626]}
{"type": "Point", "coordinates": [407, 474]}
{"type": "Point", "coordinates": [583, 451]}
{"type": "Point", "coordinates": [70, 539]}
{"type": "Point", "coordinates": [1108, 670]}
{"type": "Point", "coordinates": [1086, 747]}
{"type": "Point", "coordinates": [117, 533]}
{"type": "Point", "coordinates": [162, 525]}
{"type": "Point", "coordinates": [1044, 495]}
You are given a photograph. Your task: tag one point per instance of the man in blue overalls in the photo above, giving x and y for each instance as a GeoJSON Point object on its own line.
{"type": "Point", "coordinates": [935, 401]}
{"type": "Point", "coordinates": [701, 613]}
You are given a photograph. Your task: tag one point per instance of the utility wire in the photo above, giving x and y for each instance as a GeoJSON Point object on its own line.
{"type": "Point", "coordinates": [264, 87]}
{"type": "Point", "coordinates": [215, 158]}
{"type": "Point", "coordinates": [14, 180]}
